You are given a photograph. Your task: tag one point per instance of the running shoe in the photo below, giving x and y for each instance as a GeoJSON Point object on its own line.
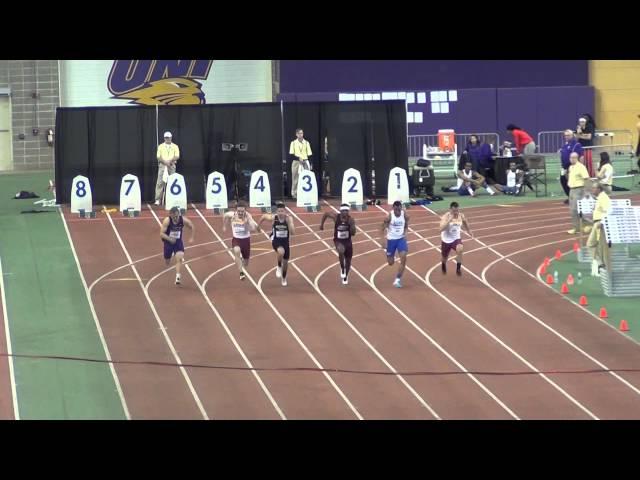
{"type": "Point", "coordinates": [284, 282]}
{"type": "Point", "coordinates": [397, 283]}
{"type": "Point", "coordinates": [178, 279]}
{"type": "Point", "coordinates": [345, 281]}
{"type": "Point", "coordinates": [278, 272]}
{"type": "Point", "coordinates": [444, 268]}
{"type": "Point", "coordinates": [242, 275]}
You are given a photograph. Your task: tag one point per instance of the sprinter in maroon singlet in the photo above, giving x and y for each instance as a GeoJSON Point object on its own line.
{"type": "Point", "coordinates": [344, 230]}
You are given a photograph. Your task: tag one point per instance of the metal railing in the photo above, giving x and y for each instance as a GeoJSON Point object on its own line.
{"type": "Point", "coordinates": [552, 141]}
{"type": "Point", "coordinates": [415, 142]}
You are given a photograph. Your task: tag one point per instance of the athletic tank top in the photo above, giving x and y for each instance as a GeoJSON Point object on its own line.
{"type": "Point", "coordinates": [511, 178]}
{"type": "Point", "coordinates": [342, 230]}
{"type": "Point", "coordinates": [280, 230]}
{"type": "Point", "coordinates": [452, 232]}
{"type": "Point", "coordinates": [174, 230]}
{"type": "Point", "coordinates": [240, 227]}
{"type": "Point", "coordinates": [396, 226]}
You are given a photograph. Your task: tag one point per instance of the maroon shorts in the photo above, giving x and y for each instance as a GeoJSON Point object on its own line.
{"type": "Point", "coordinates": [447, 247]}
{"type": "Point", "coordinates": [244, 244]}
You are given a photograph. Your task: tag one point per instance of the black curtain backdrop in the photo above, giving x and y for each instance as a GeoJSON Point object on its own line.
{"type": "Point", "coordinates": [106, 143]}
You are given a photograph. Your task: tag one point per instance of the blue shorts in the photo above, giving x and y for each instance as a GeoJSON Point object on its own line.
{"type": "Point", "coordinates": [400, 245]}
{"type": "Point", "coordinates": [509, 190]}
{"type": "Point", "coordinates": [171, 249]}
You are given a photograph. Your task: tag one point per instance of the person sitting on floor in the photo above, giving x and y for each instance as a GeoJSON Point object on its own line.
{"type": "Point", "coordinates": [515, 177]}
{"type": "Point", "coordinates": [469, 181]}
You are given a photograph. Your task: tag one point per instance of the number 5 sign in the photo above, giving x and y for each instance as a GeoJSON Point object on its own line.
{"type": "Point", "coordinates": [216, 191]}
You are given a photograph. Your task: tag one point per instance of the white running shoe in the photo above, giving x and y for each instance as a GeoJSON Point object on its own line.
{"type": "Point", "coordinates": [157, 202]}
{"type": "Point", "coordinates": [278, 272]}
{"type": "Point", "coordinates": [342, 274]}
{"type": "Point", "coordinates": [178, 279]}
{"type": "Point", "coordinates": [345, 281]}
{"type": "Point", "coordinates": [397, 283]}
{"type": "Point", "coordinates": [284, 282]}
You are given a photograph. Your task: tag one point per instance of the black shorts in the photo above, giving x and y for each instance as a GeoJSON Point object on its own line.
{"type": "Point", "coordinates": [277, 243]}
{"type": "Point", "coordinates": [348, 247]}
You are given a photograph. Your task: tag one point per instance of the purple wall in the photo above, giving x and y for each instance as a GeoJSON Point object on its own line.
{"type": "Point", "coordinates": [301, 76]}
{"type": "Point", "coordinates": [488, 110]}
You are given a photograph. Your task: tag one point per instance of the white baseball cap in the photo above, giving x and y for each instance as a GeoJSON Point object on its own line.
{"type": "Point", "coordinates": [345, 207]}
{"type": "Point", "coordinates": [167, 134]}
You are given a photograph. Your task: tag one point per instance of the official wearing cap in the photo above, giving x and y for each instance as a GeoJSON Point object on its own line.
{"type": "Point", "coordinates": [167, 155]}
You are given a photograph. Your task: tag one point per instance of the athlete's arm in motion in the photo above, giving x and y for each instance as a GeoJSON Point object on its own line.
{"type": "Point", "coordinates": [465, 225]}
{"type": "Point", "coordinates": [385, 223]}
{"type": "Point", "coordinates": [292, 229]}
{"type": "Point", "coordinates": [253, 226]}
{"type": "Point", "coordinates": [326, 215]}
{"type": "Point", "coordinates": [267, 217]}
{"type": "Point", "coordinates": [352, 226]}
{"type": "Point", "coordinates": [226, 220]}
{"type": "Point", "coordinates": [189, 224]}
{"type": "Point", "coordinates": [406, 223]}
{"type": "Point", "coordinates": [445, 221]}
{"type": "Point", "coordinates": [163, 228]}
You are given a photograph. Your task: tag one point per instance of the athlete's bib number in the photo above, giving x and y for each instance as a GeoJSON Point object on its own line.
{"type": "Point", "coordinates": [239, 228]}
{"type": "Point", "coordinates": [343, 234]}
{"type": "Point", "coordinates": [281, 234]}
{"type": "Point", "coordinates": [175, 234]}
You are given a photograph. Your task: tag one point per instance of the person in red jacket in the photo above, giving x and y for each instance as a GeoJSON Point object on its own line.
{"type": "Point", "coordinates": [524, 143]}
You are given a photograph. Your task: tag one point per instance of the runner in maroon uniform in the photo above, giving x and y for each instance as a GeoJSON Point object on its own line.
{"type": "Point", "coordinates": [344, 230]}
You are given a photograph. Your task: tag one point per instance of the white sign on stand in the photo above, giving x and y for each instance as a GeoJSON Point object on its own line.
{"type": "Point", "coordinates": [352, 188]}
{"type": "Point", "coordinates": [130, 197]}
{"type": "Point", "coordinates": [307, 189]}
{"type": "Point", "coordinates": [81, 197]}
{"type": "Point", "coordinates": [216, 197]}
{"type": "Point", "coordinates": [259, 190]}
{"type": "Point", "coordinates": [398, 186]}
{"type": "Point", "coordinates": [176, 192]}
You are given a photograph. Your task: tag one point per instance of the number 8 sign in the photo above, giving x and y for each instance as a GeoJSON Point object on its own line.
{"type": "Point", "coordinates": [81, 197]}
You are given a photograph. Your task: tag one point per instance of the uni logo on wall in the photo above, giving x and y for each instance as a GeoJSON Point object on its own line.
{"type": "Point", "coordinates": [159, 82]}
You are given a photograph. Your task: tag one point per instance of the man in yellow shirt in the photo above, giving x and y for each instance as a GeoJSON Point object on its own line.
{"type": "Point", "coordinates": [577, 175]}
{"type": "Point", "coordinates": [300, 150]}
{"type": "Point", "coordinates": [167, 155]}
{"type": "Point", "coordinates": [595, 243]}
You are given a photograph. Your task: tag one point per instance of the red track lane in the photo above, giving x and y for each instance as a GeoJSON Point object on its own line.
{"type": "Point", "coordinates": [332, 341]}
{"type": "Point", "coordinates": [450, 396]}
{"type": "Point", "coordinates": [601, 393]}
{"type": "Point", "coordinates": [590, 334]}
{"type": "Point", "coordinates": [196, 333]}
{"type": "Point", "coordinates": [6, 398]}
{"type": "Point", "coordinates": [199, 338]}
{"type": "Point", "coordinates": [130, 331]}
{"type": "Point", "coordinates": [265, 340]}
{"type": "Point", "coordinates": [527, 396]}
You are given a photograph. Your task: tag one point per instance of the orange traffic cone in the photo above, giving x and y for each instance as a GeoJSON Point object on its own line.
{"type": "Point", "coordinates": [603, 313]}
{"type": "Point", "coordinates": [543, 269]}
{"type": "Point", "coordinates": [547, 261]}
{"type": "Point", "coordinates": [624, 327]}
{"type": "Point", "coordinates": [583, 301]}
{"type": "Point", "coordinates": [550, 279]}
{"type": "Point", "coordinates": [570, 279]}
{"type": "Point", "coordinates": [564, 288]}
{"type": "Point", "coordinates": [558, 255]}
{"type": "Point", "coordinates": [576, 247]}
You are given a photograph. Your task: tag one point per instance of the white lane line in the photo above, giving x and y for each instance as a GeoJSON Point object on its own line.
{"type": "Point", "coordinates": [286, 324]}
{"type": "Point", "coordinates": [548, 327]}
{"type": "Point", "coordinates": [225, 327]}
{"type": "Point", "coordinates": [316, 287]}
{"type": "Point", "coordinates": [422, 401]}
{"type": "Point", "coordinates": [7, 333]}
{"type": "Point", "coordinates": [92, 307]}
{"type": "Point", "coordinates": [427, 280]}
{"type": "Point", "coordinates": [163, 329]}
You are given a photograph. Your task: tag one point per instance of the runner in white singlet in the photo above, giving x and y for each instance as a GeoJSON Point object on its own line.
{"type": "Point", "coordinates": [451, 225]}
{"type": "Point", "coordinates": [397, 224]}
{"type": "Point", "coordinates": [242, 224]}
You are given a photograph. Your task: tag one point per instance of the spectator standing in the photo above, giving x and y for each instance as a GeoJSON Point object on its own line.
{"type": "Point", "coordinates": [167, 155]}
{"type": "Point", "coordinates": [577, 176]}
{"type": "Point", "coordinates": [300, 153]}
{"type": "Point", "coordinates": [524, 143]}
{"type": "Point", "coordinates": [585, 132]}
{"type": "Point", "coordinates": [570, 146]}
{"type": "Point", "coordinates": [605, 173]}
